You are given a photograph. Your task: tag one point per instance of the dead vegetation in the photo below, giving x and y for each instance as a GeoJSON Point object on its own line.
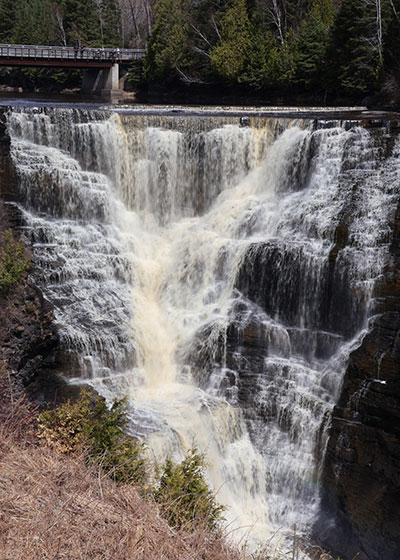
{"type": "Point", "coordinates": [57, 507]}
{"type": "Point", "coordinates": [54, 506]}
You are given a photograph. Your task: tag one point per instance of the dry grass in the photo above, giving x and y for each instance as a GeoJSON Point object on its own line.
{"type": "Point", "coordinates": [55, 507]}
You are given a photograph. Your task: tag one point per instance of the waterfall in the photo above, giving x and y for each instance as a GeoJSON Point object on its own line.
{"type": "Point", "coordinates": [216, 271]}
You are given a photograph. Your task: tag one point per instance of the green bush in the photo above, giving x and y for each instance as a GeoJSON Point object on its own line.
{"type": "Point", "coordinates": [13, 261]}
{"type": "Point", "coordinates": [89, 424]}
{"type": "Point", "coordinates": [182, 494]}
{"type": "Point", "coordinates": [184, 497]}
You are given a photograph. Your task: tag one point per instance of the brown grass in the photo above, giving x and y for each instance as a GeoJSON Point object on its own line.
{"type": "Point", "coordinates": [55, 507]}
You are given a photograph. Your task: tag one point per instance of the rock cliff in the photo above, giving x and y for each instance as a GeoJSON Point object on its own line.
{"type": "Point", "coordinates": [361, 476]}
{"type": "Point", "coordinates": [28, 335]}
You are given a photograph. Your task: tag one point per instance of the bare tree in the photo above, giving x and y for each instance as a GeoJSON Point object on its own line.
{"type": "Point", "coordinates": [59, 17]}
{"type": "Point", "coordinates": [136, 20]}
{"type": "Point", "coordinates": [100, 15]}
{"type": "Point", "coordinates": [374, 18]}
{"type": "Point", "coordinates": [394, 10]}
{"type": "Point", "coordinates": [275, 13]}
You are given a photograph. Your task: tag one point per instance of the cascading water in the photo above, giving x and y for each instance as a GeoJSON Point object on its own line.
{"type": "Point", "coordinates": [218, 274]}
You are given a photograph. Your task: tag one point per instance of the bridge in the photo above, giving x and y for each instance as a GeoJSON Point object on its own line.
{"type": "Point", "coordinates": [104, 69]}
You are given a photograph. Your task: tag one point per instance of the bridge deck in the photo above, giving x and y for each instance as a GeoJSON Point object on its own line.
{"type": "Point", "coordinates": [56, 56]}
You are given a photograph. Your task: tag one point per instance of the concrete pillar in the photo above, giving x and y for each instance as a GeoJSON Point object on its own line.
{"type": "Point", "coordinates": [105, 82]}
{"type": "Point", "coordinates": [111, 78]}
{"type": "Point", "coordinates": [111, 89]}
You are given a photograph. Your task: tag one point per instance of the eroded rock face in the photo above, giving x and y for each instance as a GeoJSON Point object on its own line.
{"type": "Point", "coordinates": [28, 336]}
{"type": "Point", "coordinates": [361, 478]}
{"type": "Point", "coordinates": [7, 175]}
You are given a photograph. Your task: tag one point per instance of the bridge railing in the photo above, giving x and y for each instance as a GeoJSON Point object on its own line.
{"type": "Point", "coordinates": [69, 53]}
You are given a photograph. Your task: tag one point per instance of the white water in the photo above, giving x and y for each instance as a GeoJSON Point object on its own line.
{"type": "Point", "coordinates": [167, 244]}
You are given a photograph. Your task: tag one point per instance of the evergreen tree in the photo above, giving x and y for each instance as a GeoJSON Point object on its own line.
{"type": "Point", "coordinates": [313, 42]}
{"type": "Point", "coordinates": [392, 35]}
{"type": "Point", "coordinates": [355, 56]}
{"type": "Point", "coordinates": [108, 17]}
{"type": "Point", "coordinates": [229, 56]}
{"type": "Point", "coordinates": [34, 23]}
{"type": "Point", "coordinates": [7, 20]}
{"type": "Point", "coordinates": [166, 49]}
{"type": "Point", "coordinates": [281, 67]}
{"type": "Point", "coordinates": [81, 22]}
{"type": "Point", "coordinates": [257, 72]}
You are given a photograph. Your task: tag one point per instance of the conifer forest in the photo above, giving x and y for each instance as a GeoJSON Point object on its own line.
{"type": "Point", "coordinates": [345, 48]}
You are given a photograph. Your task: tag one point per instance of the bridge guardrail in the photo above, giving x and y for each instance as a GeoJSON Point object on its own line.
{"type": "Point", "coordinates": [70, 53]}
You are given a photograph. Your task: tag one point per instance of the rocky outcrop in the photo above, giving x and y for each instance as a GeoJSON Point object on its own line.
{"type": "Point", "coordinates": [28, 335]}
{"type": "Point", "coordinates": [7, 176]}
{"type": "Point", "coordinates": [361, 477]}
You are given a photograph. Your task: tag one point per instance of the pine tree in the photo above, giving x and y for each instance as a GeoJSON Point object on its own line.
{"type": "Point", "coordinates": [313, 42]}
{"type": "Point", "coordinates": [7, 20]}
{"type": "Point", "coordinates": [166, 49]}
{"type": "Point", "coordinates": [260, 49]}
{"type": "Point", "coordinates": [355, 56]}
{"type": "Point", "coordinates": [34, 23]}
{"type": "Point", "coordinates": [229, 56]}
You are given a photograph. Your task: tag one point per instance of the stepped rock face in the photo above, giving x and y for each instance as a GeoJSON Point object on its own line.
{"type": "Point", "coordinates": [28, 335]}
{"type": "Point", "coordinates": [263, 243]}
{"type": "Point", "coordinates": [361, 477]}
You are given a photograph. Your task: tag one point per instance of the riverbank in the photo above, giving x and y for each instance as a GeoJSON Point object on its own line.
{"type": "Point", "coordinates": [27, 86]}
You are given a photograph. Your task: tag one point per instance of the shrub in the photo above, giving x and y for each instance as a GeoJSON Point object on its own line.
{"type": "Point", "coordinates": [184, 497]}
{"type": "Point", "coordinates": [89, 424]}
{"type": "Point", "coordinates": [13, 261]}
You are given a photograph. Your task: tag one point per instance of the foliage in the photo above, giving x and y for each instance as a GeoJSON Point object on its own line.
{"type": "Point", "coordinates": [66, 22]}
{"type": "Point", "coordinates": [229, 56]}
{"type": "Point", "coordinates": [183, 495]}
{"type": "Point", "coordinates": [13, 262]}
{"type": "Point", "coordinates": [34, 24]}
{"type": "Point", "coordinates": [349, 47]}
{"type": "Point", "coordinates": [313, 42]}
{"type": "Point", "coordinates": [257, 73]}
{"type": "Point", "coordinates": [167, 44]}
{"type": "Point", "coordinates": [88, 423]}
{"type": "Point", "coordinates": [7, 19]}
{"type": "Point", "coordinates": [356, 31]}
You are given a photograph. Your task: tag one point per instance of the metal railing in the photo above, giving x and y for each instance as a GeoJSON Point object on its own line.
{"type": "Point", "coordinates": [38, 52]}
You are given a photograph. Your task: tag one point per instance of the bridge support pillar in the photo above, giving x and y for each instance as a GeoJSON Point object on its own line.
{"type": "Point", "coordinates": [104, 82]}
{"type": "Point", "coordinates": [111, 88]}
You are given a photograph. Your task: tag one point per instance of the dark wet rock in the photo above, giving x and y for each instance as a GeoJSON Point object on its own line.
{"type": "Point", "coordinates": [280, 278]}
{"type": "Point", "coordinates": [7, 172]}
{"type": "Point", "coordinates": [361, 476]}
{"type": "Point", "coordinates": [28, 336]}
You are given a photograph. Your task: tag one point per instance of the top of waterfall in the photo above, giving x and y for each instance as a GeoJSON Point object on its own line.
{"type": "Point", "coordinates": [337, 113]}
{"type": "Point", "coordinates": [330, 113]}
